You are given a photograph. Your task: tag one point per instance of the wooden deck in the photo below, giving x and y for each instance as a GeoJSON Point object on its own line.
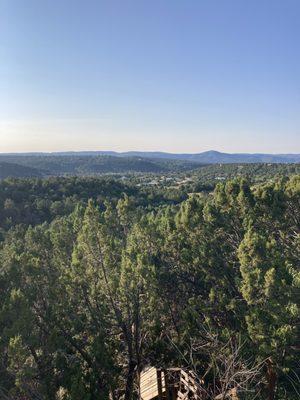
{"type": "Point", "coordinates": [170, 384]}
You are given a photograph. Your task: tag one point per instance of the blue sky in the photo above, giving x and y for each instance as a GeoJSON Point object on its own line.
{"type": "Point", "coordinates": [181, 76]}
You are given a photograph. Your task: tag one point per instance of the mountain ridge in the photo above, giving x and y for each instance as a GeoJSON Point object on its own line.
{"type": "Point", "coordinates": [211, 156]}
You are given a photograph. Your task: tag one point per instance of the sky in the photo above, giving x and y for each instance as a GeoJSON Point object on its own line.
{"type": "Point", "coordinates": [169, 75]}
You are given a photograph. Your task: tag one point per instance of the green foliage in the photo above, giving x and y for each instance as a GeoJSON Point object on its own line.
{"type": "Point", "coordinates": [100, 280]}
{"type": "Point", "coordinates": [39, 165]}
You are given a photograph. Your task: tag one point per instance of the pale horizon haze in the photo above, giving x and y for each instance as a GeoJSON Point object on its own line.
{"type": "Point", "coordinates": [174, 76]}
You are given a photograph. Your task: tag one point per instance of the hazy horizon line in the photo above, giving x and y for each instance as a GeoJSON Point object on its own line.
{"type": "Point", "coordinates": [141, 151]}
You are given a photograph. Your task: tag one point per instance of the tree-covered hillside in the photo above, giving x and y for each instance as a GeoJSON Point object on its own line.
{"type": "Point", "coordinates": [86, 165]}
{"type": "Point", "coordinates": [34, 201]}
{"type": "Point", "coordinates": [93, 291]}
{"type": "Point", "coordinates": [206, 157]}
{"type": "Point", "coordinates": [17, 171]}
{"type": "Point", "coordinates": [208, 176]}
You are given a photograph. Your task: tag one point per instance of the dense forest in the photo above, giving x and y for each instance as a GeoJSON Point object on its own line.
{"type": "Point", "coordinates": [206, 157]}
{"type": "Point", "coordinates": [84, 165]}
{"type": "Point", "coordinates": [100, 278]}
{"type": "Point", "coordinates": [94, 164]}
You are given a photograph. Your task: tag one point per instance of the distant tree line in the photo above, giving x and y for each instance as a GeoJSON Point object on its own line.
{"type": "Point", "coordinates": [88, 165]}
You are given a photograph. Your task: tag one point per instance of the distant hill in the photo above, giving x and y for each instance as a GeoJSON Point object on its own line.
{"type": "Point", "coordinates": [27, 165]}
{"type": "Point", "coordinates": [97, 163]}
{"type": "Point", "coordinates": [11, 170]}
{"type": "Point", "coordinates": [207, 157]}
{"type": "Point", "coordinates": [216, 157]}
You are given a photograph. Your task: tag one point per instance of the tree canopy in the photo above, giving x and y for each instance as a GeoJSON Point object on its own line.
{"type": "Point", "coordinates": [98, 282]}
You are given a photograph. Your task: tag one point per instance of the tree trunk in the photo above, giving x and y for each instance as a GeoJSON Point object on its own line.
{"type": "Point", "coordinates": [271, 379]}
{"type": "Point", "coordinates": [130, 380]}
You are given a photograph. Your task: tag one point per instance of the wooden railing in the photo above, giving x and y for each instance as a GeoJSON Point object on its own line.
{"type": "Point", "coordinates": [171, 384]}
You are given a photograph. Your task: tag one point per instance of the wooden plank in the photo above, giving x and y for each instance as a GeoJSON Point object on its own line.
{"type": "Point", "coordinates": [184, 382]}
{"type": "Point", "coordinates": [166, 379]}
{"type": "Point", "coordinates": [159, 384]}
{"type": "Point", "coordinates": [149, 387]}
{"type": "Point", "coordinates": [184, 374]}
{"type": "Point", "coordinates": [170, 384]}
